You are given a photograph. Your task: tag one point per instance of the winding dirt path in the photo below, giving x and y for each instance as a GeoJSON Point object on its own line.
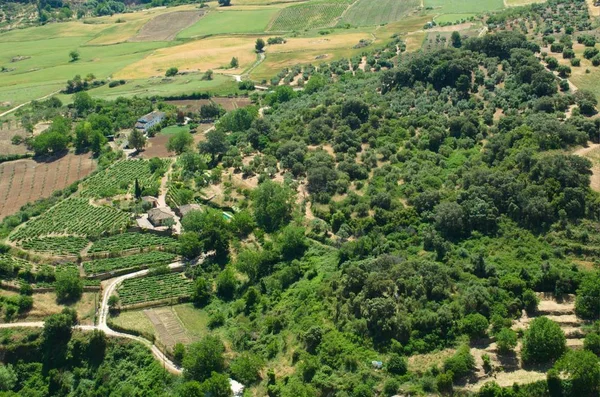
{"type": "Point", "coordinates": [109, 288]}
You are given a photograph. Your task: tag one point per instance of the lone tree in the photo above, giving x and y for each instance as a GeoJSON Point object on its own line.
{"type": "Point", "coordinates": [224, 3]}
{"type": "Point", "coordinates": [260, 44]}
{"type": "Point", "coordinates": [208, 75]}
{"type": "Point", "coordinates": [456, 40]}
{"type": "Point", "coordinates": [234, 63]}
{"type": "Point", "coordinates": [180, 142]}
{"type": "Point", "coordinates": [544, 341]}
{"type": "Point", "coordinates": [74, 55]}
{"type": "Point", "coordinates": [171, 72]}
{"type": "Point", "coordinates": [137, 140]}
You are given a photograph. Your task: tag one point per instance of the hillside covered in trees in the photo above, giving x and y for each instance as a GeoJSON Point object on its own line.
{"type": "Point", "coordinates": [418, 210]}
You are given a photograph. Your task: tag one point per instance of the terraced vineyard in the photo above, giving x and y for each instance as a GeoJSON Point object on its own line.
{"type": "Point", "coordinates": [154, 288]}
{"type": "Point", "coordinates": [14, 263]}
{"type": "Point", "coordinates": [73, 216]}
{"type": "Point", "coordinates": [57, 245]}
{"type": "Point", "coordinates": [119, 179]}
{"type": "Point", "coordinates": [144, 260]}
{"type": "Point", "coordinates": [125, 241]}
{"type": "Point", "coordinates": [313, 15]}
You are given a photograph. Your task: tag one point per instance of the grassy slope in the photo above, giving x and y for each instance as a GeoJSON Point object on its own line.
{"type": "Point", "coordinates": [218, 22]}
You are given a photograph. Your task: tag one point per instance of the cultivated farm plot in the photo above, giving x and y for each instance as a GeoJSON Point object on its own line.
{"type": "Point", "coordinates": [63, 245]}
{"type": "Point", "coordinates": [312, 15]}
{"type": "Point", "coordinates": [24, 181]}
{"type": "Point", "coordinates": [369, 12]}
{"type": "Point", "coordinates": [118, 179]}
{"type": "Point", "coordinates": [73, 216]}
{"type": "Point", "coordinates": [230, 21]}
{"type": "Point", "coordinates": [166, 26]}
{"type": "Point", "coordinates": [148, 259]}
{"type": "Point", "coordinates": [127, 241]}
{"type": "Point", "coordinates": [168, 326]}
{"type": "Point", "coordinates": [154, 288]}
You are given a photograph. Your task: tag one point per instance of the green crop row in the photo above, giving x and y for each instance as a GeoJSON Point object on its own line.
{"type": "Point", "coordinates": [73, 216]}
{"type": "Point", "coordinates": [119, 179]}
{"type": "Point", "coordinates": [147, 259]}
{"type": "Point", "coordinates": [153, 288]}
{"type": "Point", "coordinates": [125, 241]}
{"type": "Point", "coordinates": [57, 245]}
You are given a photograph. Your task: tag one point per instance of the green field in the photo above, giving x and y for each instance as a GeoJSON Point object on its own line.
{"type": "Point", "coordinates": [464, 6]}
{"type": "Point", "coordinates": [452, 18]}
{"type": "Point", "coordinates": [48, 67]}
{"type": "Point", "coordinates": [220, 22]}
{"type": "Point", "coordinates": [312, 15]}
{"type": "Point", "coordinates": [174, 129]}
{"type": "Point", "coordinates": [369, 12]}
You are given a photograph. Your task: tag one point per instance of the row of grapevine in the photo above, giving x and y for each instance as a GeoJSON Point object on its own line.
{"type": "Point", "coordinates": [313, 15]}
{"type": "Point", "coordinates": [62, 245]}
{"type": "Point", "coordinates": [148, 259]}
{"type": "Point", "coordinates": [154, 288]}
{"type": "Point", "coordinates": [73, 216]}
{"type": "Point", "coordinates": [119, 178]}
{"type": "Point", "coordinates": [126, 241]}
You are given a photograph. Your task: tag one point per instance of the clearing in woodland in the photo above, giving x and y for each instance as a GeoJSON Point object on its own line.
{"type": "Point", "coordinates": [25, 181]}
{"type": "Point", "coordinates": [368, 12]}
{"type": "Point", "coordinates": [166, 26]}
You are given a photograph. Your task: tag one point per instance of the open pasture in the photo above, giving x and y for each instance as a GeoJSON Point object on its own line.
{"type": "Point", "coordinates": [310, 15]}
{"type": "Point", "coordinates": [369, 12]}
{"type": "Point", "coordinates": [463, 6]}
{"type": "Point", "coordinates": [73, 216]}
{"type": "Point", "coordinates": [182, 84]}
{"type": "Point", "coordinates": [194, 105]}
{"type": "Point", "coordinates": [24, 181]}
{"type": "Point", "coordinates": [166, 26]}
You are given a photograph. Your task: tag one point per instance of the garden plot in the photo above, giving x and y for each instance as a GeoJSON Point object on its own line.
{"type": "Point", "coordinates": [312, 15]}
{"type": "Point", "coordinates": [65, 245]}
{"type": "Point", "coordinates": [168, 326]}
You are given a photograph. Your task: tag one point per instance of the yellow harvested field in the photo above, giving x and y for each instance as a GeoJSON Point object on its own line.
{"type": "Point", "coordinates": [414, 41]}
{"type": "Point", "coordinates": [211, 53]}
{"type": "Point", "coordinates": [44, 304]}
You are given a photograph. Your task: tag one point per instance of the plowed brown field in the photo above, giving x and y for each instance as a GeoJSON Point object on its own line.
{"type": "Point", "coordinates": [24, 181]}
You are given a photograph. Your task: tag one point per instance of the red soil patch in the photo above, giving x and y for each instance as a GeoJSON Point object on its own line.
{"type": "Point", "coordinates": [24, 181]}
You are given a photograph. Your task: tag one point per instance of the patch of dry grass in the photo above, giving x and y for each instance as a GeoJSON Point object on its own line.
{"type": "Point", "coordinates": [211, 53]}
{"type": "Point", "coordinates": [45, 304]}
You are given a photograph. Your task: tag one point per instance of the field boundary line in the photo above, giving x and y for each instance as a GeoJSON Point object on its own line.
{"type": "Point", "coordinates": [27, 103]}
